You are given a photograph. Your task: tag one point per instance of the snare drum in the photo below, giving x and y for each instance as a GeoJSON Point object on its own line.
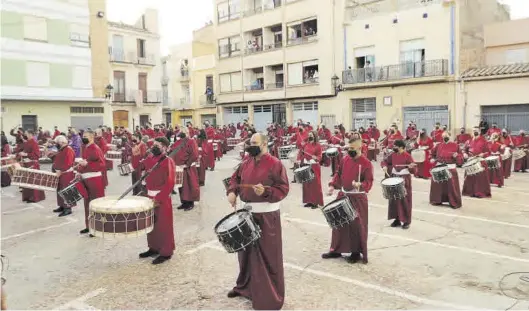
{"type": "Point", "coordinates": [116, 141]}
{"type": "Point", "coordinates": [237, 231]}
{"type": "Point", "coordinates": [113, 155]}
{"type": "Point", "coordinates": [493, 162]}
{"type": "Point", "coordinates": [473, 167]}
{"type": "Point", "coordinates": [304, 174]}
{"type": "Point", "coordinates": [332, 152]}
{"type": "Point", "coordinates": [232, 142]}
{"type": "Point", "coordinates": [112, 147]}
{"type": "Point", "coordinates": [71, 194]}
{"type": "Point", "coordinates": [418, 155]}
{"type": "Point", "coordinates": [35, 179]}
{"type": "Point", "coordinates": [393, 188]}
{"type": "Point", "coordinates": [7, 162]}
{"type": "Point", "coordinates": [441, 174]}
{"type": "Point", "coordinates": [339, 212]}
{"type": "Point", "coordinates": [125, 169]}
{"type": "Point", "coordinates": [507, 154]}
{"type": "Point", "coordinates": [215, 146]}
{"type": "Point", "coordinates": [284, 151]}
{"type": "Point", "coordinates": [112, 218]}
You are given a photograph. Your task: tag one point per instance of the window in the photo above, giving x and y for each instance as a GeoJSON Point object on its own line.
{"type": "Point", "coordinates": [303, 73]}
{"type": "Point", "coordinates": [87, 110]}
{"type": "Point", "coordinates": [516, 56]}
{"type": "Point", "coordinates": [38, 74]}
{"type": "Point", "coordinates": [302, 31]}
{"type": "Point", "coordinates": [119, 86]}
{"type": "Point", "coordinates": [79, 35]}
{"type": "Point", "coordinates": [228, 10]}
{"type": "Point", "coordinates": [82, 77]}
{"type": "Point", "coordinates": [141, 48]}
{"type": "Point", "coordinates": [229, 46]}
{"type": "Point", "coordinates": [230, 82]}
{"type": "Point", "coordinates": [209, 81]}
{"type": "Point", "coordinates": [412, 52]}
{"type": "Point", "coordinates": [35, 28]}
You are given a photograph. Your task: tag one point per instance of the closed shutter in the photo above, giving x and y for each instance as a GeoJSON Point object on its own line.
{"type": "Point", "coordinates": [84, 122]}
{"type": "Point", "coordinates": [511, 117]}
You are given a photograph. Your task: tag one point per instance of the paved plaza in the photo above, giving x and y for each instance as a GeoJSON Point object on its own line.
{"type": "Point", "coordinates": [448, 259]}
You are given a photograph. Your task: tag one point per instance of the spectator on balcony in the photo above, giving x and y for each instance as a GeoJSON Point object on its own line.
{"type": "Point", "coordinates": [209, 94]}
{"type": "Point", "coordinates": [315, 76]}
{"type": "Point", "coordinates": [368, 71]}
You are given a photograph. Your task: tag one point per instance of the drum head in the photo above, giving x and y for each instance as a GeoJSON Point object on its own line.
{"type": "Point", "coordinates": [333, 204]}
{"type": "Point", "coordinates": [231, 220]}
{"type": "Point", "coordinates": [331, 150]}
{"type": "Point", "coordinates": [301, 169]}
{"type": "Point", "coordinates": [111, 205]}
{"type": "Point", "coordinates": [392, 181]}
{"type": "Point", "coordinates": [492, 158]}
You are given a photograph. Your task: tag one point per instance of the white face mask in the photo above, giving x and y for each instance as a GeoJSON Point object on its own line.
{"type": "Point", "coordinates": [178, 138]}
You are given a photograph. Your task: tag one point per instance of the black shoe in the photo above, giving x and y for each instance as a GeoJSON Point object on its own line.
{"type": "Point", "coordinates": [160, 259]}
{"type": "Point", "coordinates": [149, 253]}
{"type": "Point", "coordinates": [233, 294]}
{"type": "Point", "coordinates": [212, 169]}
{"type": "Point", "coordinates": [91, 235]}
{"type": "Point", "coordinates": [189, 207]}
{"type": "Point", "coordinates": [84, 231]}
{"type": "Point", "coordinates": [406, 226]}
{"type": "Point", "coordinates": [201, 184]}
{"type": "Point", "coordinates": [331, 255]}
{"type": "Point", "coordinates": [307, 205]}
{"type": "Point", "coordinates": [181, 206]}
{"type": "Point", "coordinates": [313, 206]}
{"type": "Point", "coordinates": [354, 258]}
{"type": "Point", "coordinates": [65, 212]}
{"type": "Point", "coordinates": [58, 209]}
{"type": "Point", "coordinates": [293, 181]}
{"type": "Point", "coordinates": [395, 223]}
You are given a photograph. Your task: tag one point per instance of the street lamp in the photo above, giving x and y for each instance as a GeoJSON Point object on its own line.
{"type": "Point", "coordinates": [337, 87]}
{"type": "Point", "coordinates": [108, 91]}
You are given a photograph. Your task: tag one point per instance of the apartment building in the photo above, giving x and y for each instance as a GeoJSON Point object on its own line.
{"type": "Point", "coordinates": [275, 59]}
{"type": "Point", "coordinates": [135, 71]}
{"type": "Point", "coordinates": [401, 58]}
{"type": "Point", "coordinates": [177, 84]}
{"type": "Point", "coordinates": [498, 91]}
{"type": "Point", "coordinates": [46, 65]}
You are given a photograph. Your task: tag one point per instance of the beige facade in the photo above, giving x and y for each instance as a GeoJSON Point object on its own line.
{"type": "Point", "coordinates": [135, 71]}
{"type": "Point", "coordinates": [506, 44]}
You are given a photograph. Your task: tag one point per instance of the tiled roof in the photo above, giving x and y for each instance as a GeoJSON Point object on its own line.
{"type": "Point", "coordinates": [496, 71]}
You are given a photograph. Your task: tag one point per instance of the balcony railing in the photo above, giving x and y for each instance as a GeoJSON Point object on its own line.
{"type": "Point", "coordinates": [252, 50]}
{"type": "Point", "coordinates": [118, 56]}
{"type": "Point", "coordinates": [272, 5]}
{"type": "Point", "coordinates": [313, 80]}
{"type": "Point", "coordinates": [273, 86]}
{"type": "Point", "coordinates": [429, 68]}
{"type": "Point", "coordinates": [152, 97]}
{"type": "Point", "coordinates": [125, 96]}
{"type": "Point", "coordinates": [273, 46]}
{"type": "Point", "coordinates": [302, 40]}
{"type": "Point", "coordinates": [147, 59]}
{"type": "Point", "coordinates": [185, 101]}
{"type": "Point", "coordinates": [207, 101]}
{"type": "Point", "coordinates": [256, 87]}
{"type": "Point", "coordinates": [252, 11]}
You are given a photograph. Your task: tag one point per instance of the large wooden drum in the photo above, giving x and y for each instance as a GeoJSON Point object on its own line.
{"type": "Point", "coordinates": [128, 217]}
{"type": "Point", "coordinates": [35, 179]}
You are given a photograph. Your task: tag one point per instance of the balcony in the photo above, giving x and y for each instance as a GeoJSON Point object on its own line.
{"type": "Point", "coordinates": [133, 97]}
{"type": "Point", "coordinates": [302, 40]}
{"type": "Point", "coordinates": [311, 80]}
{"type": "Point", "coordinates": [152, 97]}
{"type": "Point", "coordinates": [206, 101]}
{"type": "Point", "coordinates": [254, 87]}
{"type": "Point", "coordinates": [273, 4]}
{"type": "Point", "coordinates": [273, 46]}
{"type": "Point", "coordinates": [430, 68]}
{"type": "Point", "coordinates": [185, 101]}
{"type": "Point", "coordinates": [124, 96]}
{"type": "Point", "coordinates": [147, 60]}
{"type": "Point", "coordinates": [117, 56]}
{"type": "Point", "coordinates": [274, 86]}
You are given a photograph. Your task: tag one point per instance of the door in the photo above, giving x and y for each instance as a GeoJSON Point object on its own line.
{"type": "Point", "coordinates": [168, 118]}
{"type": "Point", "coordinates": [142, 86]}
{"type": "Point", "coordinates": [121, 118]}
{"type": "Point", "coordinates": [209, 82]}
{"type": "Point", "coordinates": [364, 111]}
{"type": "Point", "coordinates": [329, 120]}
{"type": "Point", "coordinates": [185, 119]}
{"type": "Point", "coordinates": [141, 48]}
{"type": "Point", "coordinates": [426, 117]}
{"type": "Point", "coordinates": [119, 86]}
{"type": "Point", "coordinates": [144, 119]}
{"type": "Point", "coordinates": [212, 118]}
{"type": "Point", "coordinates": [29, 122]}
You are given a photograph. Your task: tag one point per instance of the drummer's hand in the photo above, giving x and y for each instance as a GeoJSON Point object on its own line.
{"type": "Point", "coordinates": [481, 155]}
{"type": "Point", "coordinates": [23, 154]}
{"type": "Point", "coordinates": [454, 155]}
{"type": "Point", "coordinates": [385, 169]}
{"type": "Point", "coordinates": [412, 165]}
{"type": "Point", "coordinates": [356, 185]}
{"type": "Point", "coordinates": [58, 173]}
{"type": "Point", "coordinates": [259, 189]}
{"type": "Point", "coordinates": [232, 199]}
{"type": "Point", "coordinates": [331, 190]}
{"type": "Point", "coordinates": [432, 161]}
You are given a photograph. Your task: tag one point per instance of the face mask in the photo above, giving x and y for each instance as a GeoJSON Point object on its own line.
{"type": "Point", "coordinates": [300, 130]}
{"type": "Point", "coordinates": [436, 127]}
{"type": "Point", "coordinates": [446, 139]}
{"type": "Point", "coordinates": [395, 149]}
{"type": "Point", "coordinates": [135, 141]}
{"type": "Point", "coordinates": [462, 131]}
{"type": "Point", "coordinates": [253, 150]}
{"type": "Point", "coordinates": [352, 153]}
{"type": "Point", "coordinates": [311, 138]}
{"type": "Point", "coordinates": [156, 150]}
{"type": "Point", "coordinates": [85, 140]}
{"type": "Point", "coordinates": [25, 137]}
{"type": "Point", "coordinates": [182, 135]}
{"type": "Point", "coordinates": [504, 134]}
{"type": "Point", "coordinates": [476, 133]}
{"type": "Point", "coordinates": [392, 131]}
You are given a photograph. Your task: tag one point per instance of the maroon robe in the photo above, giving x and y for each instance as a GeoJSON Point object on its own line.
{"type": "Point", "coordinates": [496, 175]}
{"type": "Point", "coordinates": [478, 185]}
{"type": "Point", "coordinates": [423, 169]}
{"type": "Point", "coordinates": [312, 192]}
{"type": "Point", "coordinates": [63, 161]}
{"type": "Point", "coordinates": [521, 165]}
{"type": "Point", "coordinates": [400, 209]}
{"type": "Point", "coordinates": [448, 191]}
{"type": "Point", "coordinates": [188, 156]}
{"type": "Point", "coordinates": [352, 238]}
{"type": "Point", "coordinates": [31, 147]}
{"type": "Point", "coordinates": [159, 184]}
{"type": "Point", "coordinates": [109, 165]}
{"type": "Point", "coordinates": [203, 159]}
{"type": "Point", "coordinates": [138, 153]}
{"type": "Point", "coordinates": [6, 178]}
{"type": "Point", "coordinates": [261, 275]}
{"type": "Point", "coordinates": [95, 185]}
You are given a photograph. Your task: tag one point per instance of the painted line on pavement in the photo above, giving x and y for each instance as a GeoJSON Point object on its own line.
{"type": "Point", "coordinates": [391, 236]}
{"type": "Point", "coordinates": [69, 222]}
{"type": "Point", "coordinates": [7, 195]}
{"type": "Point", "coordinates": [201, 246]}
{"type": "Point", "coordinates": [503, 223]}
{"type": "Point", "coordinates": [37, 205]}
{"type": "Point", "coordinates": [382, 289]}
{"type": "Point", "coordinates": [15, 211]}
{"type": "Point", "coordinates": [79, 303]}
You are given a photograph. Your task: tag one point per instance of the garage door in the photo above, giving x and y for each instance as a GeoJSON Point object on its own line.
{"type": "Point", "coordinates": [308, 112]}
{"type": "Point", "coordinates": [512, 117]}
{"type": "Point", "coordinates": [262, 115]}
{"type": "Point", "coordinates": [235, 115]}
{"type": "Point", "coordinates": [84, 122]}
{"type": "Point", "coordinates": [364, 111]}
{"type": "Point", "coordinates": [426, 117]}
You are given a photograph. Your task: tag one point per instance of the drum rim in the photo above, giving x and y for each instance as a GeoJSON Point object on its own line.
{"type": "Point", "coordinates": [396, 177]}
{"type": "Point", "coordinates": [242, 210]}
{"type": "Point", "coordinates": [107, 210]}
{"type": "Point", "coordinates": [335, 200]}
{"type": "Point", "coordinates": [103, 234]}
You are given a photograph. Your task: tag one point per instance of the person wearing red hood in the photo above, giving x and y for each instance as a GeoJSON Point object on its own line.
{"type": "Point", "coordinates": [101, 142]}
{"type": "Point", "coordinates": [324, 133]}
{"type": "Point", "coordinates": [494, 129]}
{"type": "Point", "coordinates": [425, 143]}
{"type": "Point", "coordinates": [463, 138]}
{"type": "Point", "coordinates": [477, 185]}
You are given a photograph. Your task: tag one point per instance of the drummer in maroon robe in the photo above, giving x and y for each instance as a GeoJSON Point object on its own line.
{"type": "Point", "coordinates": [402, 166]}
{"type": "Point", "coordinates": [31, 155]}
{"type": "Point", "coordinates": [90, 168]}
{"type": "Point", "coordinates": [522, 143]}
{"type": "Point", "coordinates": [138, 153]}
{"type": "Point", "coordinates": [506, 149]}
{"type": "Point", "coordinates": [63, 163]}
{"type": "Point", "coordinates": [102, 143]}
{"type": "Point", "coordinates": [311, 155]}
{"type": "Point", "coordinates": [449, 191]}
{"type": "Point", "coordinates": [261, 276]}
{"type": "Point", "coordinates": [477, 185]}
{"type": "Point", "coordinates": [356, 175]}
{"type": "Point", "coordinates": [496, 174]}
{"type": "Point", "coordinates": [424, 143]}
{"type": "Point", "coordinates": [187, 157]}
{"type": "Point", "coordinates": [203, 152]}
{"type": "Point", "coordinates": [159, 183]}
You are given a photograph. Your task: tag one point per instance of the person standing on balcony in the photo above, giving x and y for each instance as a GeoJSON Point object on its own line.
{"type": "Point", "coordinates": [209, 95]}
